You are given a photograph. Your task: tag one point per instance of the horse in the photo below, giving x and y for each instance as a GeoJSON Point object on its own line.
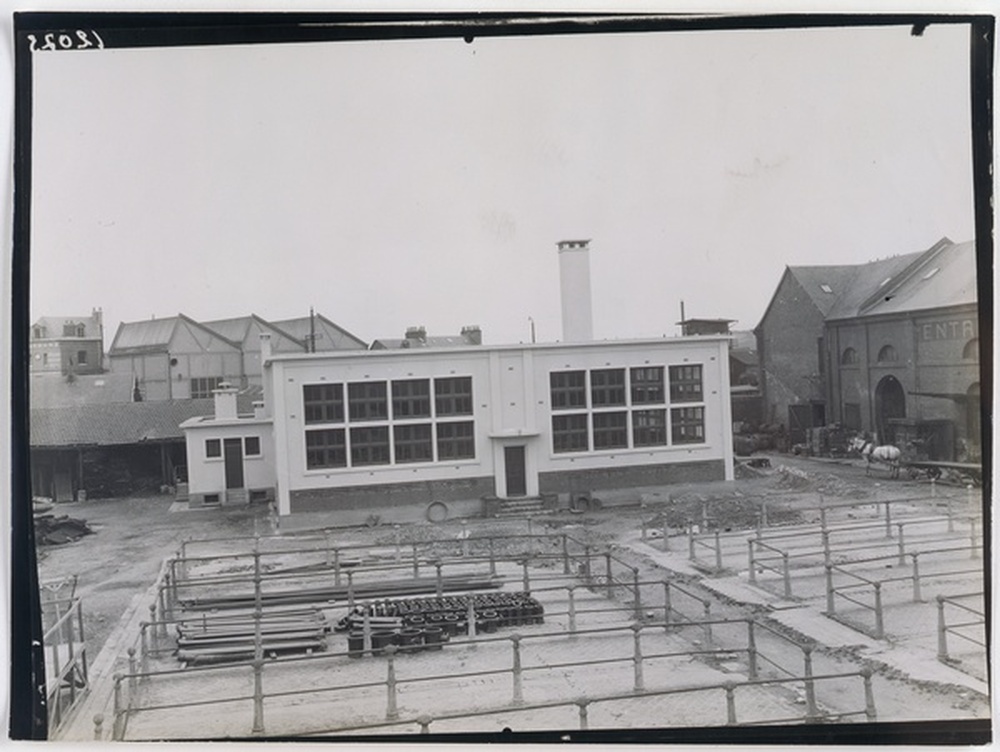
{"type": "Point", "coordinates": [887, 455]}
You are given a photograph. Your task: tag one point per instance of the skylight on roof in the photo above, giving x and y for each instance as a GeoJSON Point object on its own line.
{"type": "Point", "coordinates": [884, 282]}
{"type": "Point", "coordinates": [826, 289]}
{"type": "Point", "coordinates": [932, 272]}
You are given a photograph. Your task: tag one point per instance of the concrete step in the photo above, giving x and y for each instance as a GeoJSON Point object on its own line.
{"type": "Point", "coordinates": [520, 507]}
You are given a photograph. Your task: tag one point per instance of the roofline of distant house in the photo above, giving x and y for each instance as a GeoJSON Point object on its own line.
{"type": "Point", "coordinates": [480, 349]}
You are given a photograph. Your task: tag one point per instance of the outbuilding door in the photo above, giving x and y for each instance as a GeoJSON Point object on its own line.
{"type": "Point", "coordinates": [514, 469]}
{"type": "Point", "coordinates": [233, 452]}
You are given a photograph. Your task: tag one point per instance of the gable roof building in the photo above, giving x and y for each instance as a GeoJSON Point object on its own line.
{"type": "Point", "coordinates": [852, 343]}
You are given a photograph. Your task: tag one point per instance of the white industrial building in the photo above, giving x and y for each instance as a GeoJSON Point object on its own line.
{"type": "Point", "coordinates": [384, 430]}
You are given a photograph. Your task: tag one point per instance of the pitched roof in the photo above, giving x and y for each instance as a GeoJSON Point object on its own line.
{"type": "Point", "coordinates": [54, 325]}
{"type": "Point", "coordinates": [237, 329]}
{"type": "Point", "coordinates": [299, 328]}
{"type": "Point", "coordinates": [154, 335]}
{"type": "Point", "coordinates": [824, 284]}
{"type": "Point", "coordinates": [942, 276]}
{"type": "Point", "coordinates": [115, 424]}
{"type": "Point", "coordinates": [53, 390]}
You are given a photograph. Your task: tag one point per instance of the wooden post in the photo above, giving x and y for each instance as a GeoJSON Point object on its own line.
{"type": "Point", "coordinates": [822, 514]}
{"type": "Point", "coordinates": [397, 542]}
{"type": "Point", "coordinates": [366, 629]}
{"type": "Point", "coordinates": [518, 697]}
{"type": "Point", "coordinates": [133, 669]}
{"type": "Point", "coordinates": [416, 562]}
{"type": "Point", "coordinates": [916, 577]}
{"type": "Point", "coordinates": [571, 590]}
{"type": "Point", "coordinates": [350, 591]}
{"type": "Point", "coordinates": [611, 581]}
{"type": "Point", "coordinates": [638, 595]}
{"type": "Point", "coordinates": [637, 657]}
{"type": "Point", "coordinates": [831, 608]}
{"type": "Point", "coordinates": [751, 649]}
{"type": "Point", "coordinates": [258, 647]}
{"type": "Point", "coordinates": [666, 533]}
{"type": "Point", "coordinates": [336, 567]}
{"type": "Point", "coordinates": [525, 577]}
{"type": "Point", "coordinates": [707, 605]}
{"type": "Point", "coordinates": [879, 626]}
{"type": "Point", "coordinates": [493, 560]}
{"type": "Point", "coordinates": [666, 604]}
{"type": "Point", "coordinates": [470, 616]}
{"type": "Point", "coordinates": [144, 649]}
{"type": "Point", "coordinates": [582, 705]}
{"type": "Point", "coordinates": [751, 569]}
{"type": "Point", "coordinates": [888, 519]}
{"type": "Point", "coordinates": [154, 638]}
{"type": "Point", "coordinates": [326, 546]}
{"type": "Point", "coordinates": [901, 545]}
{"type": "Point", "coordinates": [763, 514]}
{"type": "Point", "coordinates": [565, 553]}
{"type": "Point", "coordinates": [942, 633]}
{"type": "Point", "coordinates": [811, 710]}
{"type": "Point", "coordinates": [391, 711]}
{"type": "Point", "coordinates": [787, 574]}
{"type": "Point", "coordinates": [951, 515]}
{"type": "Point", "coordinates": [98, 727]}
{"type": "Point", "coordinates": [439, 584]}
{"type": "Point", "coordinates": [425, 724]}
{"type": "Point", "coordinates": [866, 675]}
{"type": "Point", "coordinates": [826, 547]}
{"type": "Point", "coordinates": [730, 688]}
{"type": "Point", "coordinates": [586, 562]}
{"type": "Point", "coordinates": [118, 726]}
{"type": "Point", "coordinates": [718, 553]}
{"type": "Point", "coordinates": [691, 542]}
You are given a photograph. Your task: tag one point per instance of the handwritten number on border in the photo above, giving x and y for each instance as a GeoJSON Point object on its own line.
{"type": "Point", "coordinates": [79, 39]}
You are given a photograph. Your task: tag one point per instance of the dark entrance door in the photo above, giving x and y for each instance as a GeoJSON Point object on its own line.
{"type": "Point", "coordinates": [514, 465]}
{"type": "Point", "coordinates": [233, 451]}
{"type": "Point", "coordinates": [890, 402]}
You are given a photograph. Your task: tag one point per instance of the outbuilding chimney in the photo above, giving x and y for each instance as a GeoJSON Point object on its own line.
{"type": "Point", "coordinates": [416, 334]}
{"type": "Point", "coordinates": [225, 402]}
{"type": "Point", "coordinates": [472, 335]}
{"type": "Point", "coordinates": [574, 285]}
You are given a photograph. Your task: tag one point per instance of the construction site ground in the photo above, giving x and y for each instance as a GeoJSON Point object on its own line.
{"type": "Point", "coordinates": [118, 565]}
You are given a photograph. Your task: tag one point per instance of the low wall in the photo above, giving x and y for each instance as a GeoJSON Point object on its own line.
{"type": "Point", "coordinates": [396, 502]}
{"type": "Point", "coordinates": [570, 484]}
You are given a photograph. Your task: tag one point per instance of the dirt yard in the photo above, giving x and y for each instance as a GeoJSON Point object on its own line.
{"type": "Point", "coordinates": [133, 537]}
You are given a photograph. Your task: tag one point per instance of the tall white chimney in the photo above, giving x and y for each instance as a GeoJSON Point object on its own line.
{"type": "Point", "coordinates": [574, 284]}
{"type": "Point", "coordinates": [225, 402]}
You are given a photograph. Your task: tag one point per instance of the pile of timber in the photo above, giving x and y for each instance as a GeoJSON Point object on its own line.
{"type": "Point", "coordinates": [361, 591]}
{"type": "Point", "coordinates": [214, 638]}
{"type": "Point", "coordinates": [55, 530]}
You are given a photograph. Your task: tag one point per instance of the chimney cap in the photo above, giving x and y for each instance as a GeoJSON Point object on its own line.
{"type": "Point", "coordinates": [571, 244]}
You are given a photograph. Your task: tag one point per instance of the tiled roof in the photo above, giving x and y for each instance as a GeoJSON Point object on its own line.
{"type": "Point", "coordinates": [115, 424]}
{"type": "Point", "coordinates": [824, 284]}
{"type": "Point", "coordinates": [239, 329]}
{"type": "Point", "coordinates": [53, 390]}
{"type": "Point", "coordinates": [396, 343]}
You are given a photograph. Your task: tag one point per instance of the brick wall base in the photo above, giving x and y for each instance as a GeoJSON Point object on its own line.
{"type": "Point", "coordinates": [608, 479]}
{"type": "Point", "coordinates": [386, 496]}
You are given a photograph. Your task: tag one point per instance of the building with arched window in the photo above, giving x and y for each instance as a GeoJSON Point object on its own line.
{"type": "Point", "coordinates": [889, 348]}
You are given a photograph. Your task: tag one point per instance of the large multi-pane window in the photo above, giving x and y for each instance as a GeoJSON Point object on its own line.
{"type": "Point", "coordinates": [649, 428]}
{"type": "Point", "coordinates": [568, 389]}
{"type": "Point", "coordinates": [569, 433]}
{"type": "Point", "coordinates": [203, 386]}
{"type": "Point", "coordinates": [408, 433]}
{"type": "Point", "coordinates": [323, 403]}
{"type": "Point", "coordinates": [607, 387]}
{"type": "Point", "coordinates": [647, 385]}
{"type": "Point", "coordinates": [366, 400]}
{"type": "Point", "coordinates": [621, 408]}
{"type": "Point", "coordinates": [456, 440]}
{"type": "Point", "coordinates": [413, 442]}
{"type": "Point", "coordinates": [326, 448]}
{"type": "Point", "coordinates": [685, 384]}
{"type": "Point", "coordinates": [687, 425]}
{"type": "Point", "coordinates": [411, 399]}
{"type": "Point", "coordinates": [453, 396]}
{"type": "Point", "coordinates": [611, 430]}
{"type": "Point", "coordinates": [370, 445]}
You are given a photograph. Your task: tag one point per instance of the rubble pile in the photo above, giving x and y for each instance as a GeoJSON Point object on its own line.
{"type": "Point", "coordinates": [52, 530]}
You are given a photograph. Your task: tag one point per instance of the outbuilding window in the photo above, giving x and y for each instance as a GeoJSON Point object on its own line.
{"type": "Point", "coordinates": [323, 403]}
{"type": "Point", "coordinates": [453, 396]}
{"type": "Point", "coordinates": [366, 400]}
{"type": "Point", "coordinates": [251, 446]}
{"type": "Point", "coordinates": [568, 389]}
{"type": "Point", "coordinates": [213, 448]}
{"type": "Point", "coordinates": [687, 425]}
{"type": "Point", "coordinates": [685, 384]}
{"type": "Point", "coordinates": [611, 430]}
{"type": "Point", "coordinates": [569, 433]}
{"type": "Point", "coordinates": [887, 354]}
{"type": "Point", "coordinates": [326, 448]}
{"type": "Point", "coordinates": [607, 387]}
{"type": "Point", "coordinates": [456, 441]}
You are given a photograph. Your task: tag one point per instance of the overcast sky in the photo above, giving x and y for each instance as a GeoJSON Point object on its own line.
{"type": "Point", "coordinates": [402, 183]}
